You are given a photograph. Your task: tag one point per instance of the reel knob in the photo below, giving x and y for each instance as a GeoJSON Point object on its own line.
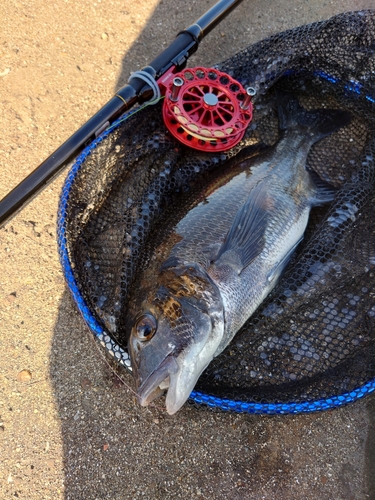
{"type": "Point", "coordinates": [207, 109]}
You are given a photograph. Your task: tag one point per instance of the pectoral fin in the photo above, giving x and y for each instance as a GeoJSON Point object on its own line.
{"type": "Point", "coordinates": [246, 237]}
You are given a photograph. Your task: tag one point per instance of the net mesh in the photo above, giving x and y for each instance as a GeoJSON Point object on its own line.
{"type": "Point", "coordinates": [314, 336]}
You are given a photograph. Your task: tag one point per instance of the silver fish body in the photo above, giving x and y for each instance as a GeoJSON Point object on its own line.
{"type": "Point", "coordinates": [223, 257]}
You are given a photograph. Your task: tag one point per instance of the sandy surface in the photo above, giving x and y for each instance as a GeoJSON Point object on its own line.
{"type": "Point", "coordinates": [68, 428]}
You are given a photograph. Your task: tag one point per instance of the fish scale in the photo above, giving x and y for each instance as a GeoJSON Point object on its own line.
{"type": "Point", "coordinates": [235, 240]}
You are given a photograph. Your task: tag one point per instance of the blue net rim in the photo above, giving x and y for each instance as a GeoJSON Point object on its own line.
{"type": "Point", "coordinates": [122, 357]}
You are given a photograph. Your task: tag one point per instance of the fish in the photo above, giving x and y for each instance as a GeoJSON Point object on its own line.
{"type": "Point", "coordinates": [217, 263]}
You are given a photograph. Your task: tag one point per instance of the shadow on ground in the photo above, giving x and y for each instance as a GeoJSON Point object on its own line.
{"type": "Point", "coordinates": [167, 22]}
{"type": "Point", "coordinates": [114, 449]}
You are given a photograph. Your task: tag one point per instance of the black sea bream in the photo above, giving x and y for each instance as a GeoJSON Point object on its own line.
{"type": "Point", "coordinates": [223, 257]}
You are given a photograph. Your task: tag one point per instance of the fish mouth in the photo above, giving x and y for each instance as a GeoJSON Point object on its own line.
{"type": "Point", "coordinates": [158, 381]}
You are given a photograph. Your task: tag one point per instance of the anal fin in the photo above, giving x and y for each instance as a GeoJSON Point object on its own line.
{"type": "Point", "coordinates": [325, 192]}
{"type": "Point", "coordinates": [281, 265]}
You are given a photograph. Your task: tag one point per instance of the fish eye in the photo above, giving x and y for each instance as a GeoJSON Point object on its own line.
{"type": "Point", "coordinates": [145, 327]}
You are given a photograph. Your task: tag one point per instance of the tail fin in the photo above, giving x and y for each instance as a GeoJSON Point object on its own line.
{"type": "Point", "coordinates": [318, 123]}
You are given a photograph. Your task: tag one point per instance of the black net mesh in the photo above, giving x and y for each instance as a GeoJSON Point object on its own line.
{"type": "Point", "coordinates": [314, 336]}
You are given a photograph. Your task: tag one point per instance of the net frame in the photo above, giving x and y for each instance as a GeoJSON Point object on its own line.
{"type": "Point", "coordinates": [274, 71]}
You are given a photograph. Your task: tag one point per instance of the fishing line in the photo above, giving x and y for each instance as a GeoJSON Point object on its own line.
{"type": "Point", "coordinates": [150, 80]}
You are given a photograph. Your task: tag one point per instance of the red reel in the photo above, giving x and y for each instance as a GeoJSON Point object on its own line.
{"type": "Point", "coordinates": [207, 109]}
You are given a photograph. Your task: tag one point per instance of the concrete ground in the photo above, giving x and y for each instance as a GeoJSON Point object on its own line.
{"type": "Point", "coordinates": [68, 428]}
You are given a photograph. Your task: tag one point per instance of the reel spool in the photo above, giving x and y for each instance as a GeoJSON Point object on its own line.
{"type": "Point", "coordinates": [207, 109]}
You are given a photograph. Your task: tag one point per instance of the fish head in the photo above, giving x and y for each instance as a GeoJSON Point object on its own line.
{"type": "Point", "coordinates": [175, 336]}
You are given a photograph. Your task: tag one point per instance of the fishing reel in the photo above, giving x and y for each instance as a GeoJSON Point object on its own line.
{"type": "Point", "coordinates": [205, 108]}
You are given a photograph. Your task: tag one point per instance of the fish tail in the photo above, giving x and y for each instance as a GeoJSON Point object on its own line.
{"type": "Point", "coordinates": [316, 123]}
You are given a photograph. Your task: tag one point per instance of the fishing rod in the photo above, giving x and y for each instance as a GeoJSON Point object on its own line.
{"type": "Point", "coordinates": [138, 90]}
